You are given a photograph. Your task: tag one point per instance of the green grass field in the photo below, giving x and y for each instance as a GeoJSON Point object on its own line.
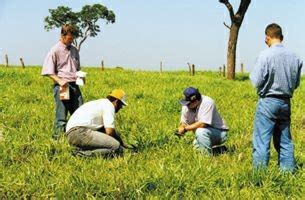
{"type": "Point", "coordinates": [166, 167]}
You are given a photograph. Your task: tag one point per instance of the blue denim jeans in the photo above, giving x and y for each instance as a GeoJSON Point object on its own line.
{"type": "Point", "coordinates": [63, 106]}
{"type": "Point", "coordinates": [208, 137]}
{"type": "Point", "coordinates": [272, 118]}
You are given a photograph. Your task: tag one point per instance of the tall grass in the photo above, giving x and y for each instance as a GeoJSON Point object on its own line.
{"type": "Point", "coordinates": [34, 166]}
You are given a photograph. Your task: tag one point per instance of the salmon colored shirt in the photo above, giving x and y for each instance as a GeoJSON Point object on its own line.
{"type": "Point", "coordinates": [63, 61]}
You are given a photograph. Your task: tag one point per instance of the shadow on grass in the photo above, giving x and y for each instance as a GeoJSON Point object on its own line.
{"type": "Point", "coordinates": [242, 77]}
{"type": "Point", "coordinates": [299, 166]}
{"type": "Point", "coordinates": [219, 150]}
{"type": "Point", "coordinates": [223, 149]}
{"type": "Point", "coordinates": [149, 145]}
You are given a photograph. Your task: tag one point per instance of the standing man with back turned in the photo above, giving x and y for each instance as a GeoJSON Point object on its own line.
{"type": "Point", "coordinates": [61, 65]}
{"type": "Point", "coordinates": [276, 74]}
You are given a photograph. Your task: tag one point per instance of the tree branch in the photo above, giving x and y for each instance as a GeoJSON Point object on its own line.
{"type": "Point", "coordinates": [75, 42]}
{"type": "Point", "coordinates": [244, 4]}
{"type": "Point", "coordinates": [224, 23]}
{"type": "Point", "coordinates": [83, 39]}
{"type": "Point", "coordinates": [229, 7]}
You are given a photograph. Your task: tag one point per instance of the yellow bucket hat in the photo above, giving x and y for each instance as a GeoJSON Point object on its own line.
{"type": "Point", "coordinates": [120, 95]}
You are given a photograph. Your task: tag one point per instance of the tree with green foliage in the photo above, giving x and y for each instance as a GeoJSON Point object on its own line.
{"type": "Point", "coordinates": [85, 21]}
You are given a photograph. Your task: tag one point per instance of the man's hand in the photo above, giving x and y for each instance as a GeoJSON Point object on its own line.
{"type": "Point", "coordinates": [62, 82]}
{"type": "Point", "coordinates": [58, 80]}
{"type": "Point", "coordinates": [181, 129]}
{"type": "Point", "coordinates": [178, 134]}
{"type": "Point", "coordinates": [126, 146]}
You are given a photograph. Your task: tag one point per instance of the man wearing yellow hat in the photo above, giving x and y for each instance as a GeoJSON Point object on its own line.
{"type": "Point", "coordinates": [91, 128]}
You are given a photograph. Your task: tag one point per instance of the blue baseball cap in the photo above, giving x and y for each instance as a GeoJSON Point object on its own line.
{"type": "Point", "coordinates": [190, 95]}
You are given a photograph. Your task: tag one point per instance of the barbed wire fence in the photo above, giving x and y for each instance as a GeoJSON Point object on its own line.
{"type": "Point", "coordinates": [162, 66]}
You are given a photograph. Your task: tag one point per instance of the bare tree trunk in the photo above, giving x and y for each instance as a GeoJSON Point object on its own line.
{"type": "Point", "coordinates": [236, 21]}
{"type": "Point", "coordinates": [231, 53]}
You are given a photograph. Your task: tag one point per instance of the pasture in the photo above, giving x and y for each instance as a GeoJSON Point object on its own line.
{"type": "Point", "coordinates": [165, 167]}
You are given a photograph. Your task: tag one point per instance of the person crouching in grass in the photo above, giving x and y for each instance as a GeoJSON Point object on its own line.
{"type": "Point", "coordinates": [91, 128]}
{"type": "Point", "coordinates": [199, 114]}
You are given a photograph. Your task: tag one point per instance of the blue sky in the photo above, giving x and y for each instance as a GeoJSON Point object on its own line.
{"type": "Point", "coordinates": [147, 32]}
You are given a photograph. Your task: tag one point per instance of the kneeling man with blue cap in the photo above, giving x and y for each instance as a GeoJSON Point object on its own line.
{"type": "Point", "coordinates": [200, 115]}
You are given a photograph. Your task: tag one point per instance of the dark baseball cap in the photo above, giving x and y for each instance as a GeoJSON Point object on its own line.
{"type": "Point", "coordinates": [190, 95]}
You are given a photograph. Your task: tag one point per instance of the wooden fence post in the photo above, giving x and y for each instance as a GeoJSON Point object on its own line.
{"type": "Point", "coordinates": [224, 71]}
{"type": "Point", "coordinates": [102, 65]}
{"type": "Point", "coordinates": [242, 68]}
{"type": "Point", "coordinates": [6, 60]}
{"type": "Point", "coordinates": [193, 69]}
{"type": "Point", "coordinates": [161, 66]}
{"type": "Point", "coordinates": [190, 68]}
{"type": "Point", "coordinates": [22, 63]}
{"type": "Point", "coordinates": [220, 71]}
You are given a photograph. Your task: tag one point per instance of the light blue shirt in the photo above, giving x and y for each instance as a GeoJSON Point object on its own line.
{"type": "Point", "coordinates": [277, 72]}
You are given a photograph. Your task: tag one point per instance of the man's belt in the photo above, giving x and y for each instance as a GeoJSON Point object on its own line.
{"type": "Point", "coordinates": [285, 98]}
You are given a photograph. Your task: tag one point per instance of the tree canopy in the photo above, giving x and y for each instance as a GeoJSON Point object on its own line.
{"type": "Point", "coordinates": [85, 21]}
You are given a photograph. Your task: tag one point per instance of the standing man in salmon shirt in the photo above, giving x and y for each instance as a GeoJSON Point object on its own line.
{"type": "Point", "coordinates": [61, 64]}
